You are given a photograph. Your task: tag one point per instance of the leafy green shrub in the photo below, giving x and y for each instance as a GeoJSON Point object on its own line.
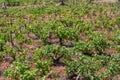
{"type": "Point", "coordinates": [100, 44]}
{"type": "Point", "coordinates": [54, 53]}
{"type": "Point", "coordinates": [16, 70]}
{"type": "Point", "coordinates": [43, 67]}
{"type": "Point", "coordinates": [12, 52]}
{"type": "Point", "coordinates": [97, 67]}
{"type": "Point", "coordinates": [3, 40]}
{"type": "Point", "coordinates": [1, 56]}
{"type": "Point", "coordinates": [66, 33]}
{"type": "Point", "coordinates": [1, 44]}
{"type": "Point", "coordinates": [12, 2]}
{"type": "Point", "coordinates": [84, 47]}
{"type": "Point", "coordinates": [117, 37]}
{"type": "Point", "coordinates": [22, 71]}
{"type": "Point", "coordinates": [42, 32]}
{"type": "Point", "coordinates": [67, 22]}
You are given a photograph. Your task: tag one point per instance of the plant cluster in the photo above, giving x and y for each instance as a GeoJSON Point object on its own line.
{"type": "Point", "coordinates": [82, 36]}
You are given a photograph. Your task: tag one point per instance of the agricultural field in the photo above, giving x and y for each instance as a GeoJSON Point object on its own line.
{"type": "Point", "coordinates": [55, 40]}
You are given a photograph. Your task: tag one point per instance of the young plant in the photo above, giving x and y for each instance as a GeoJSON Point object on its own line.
{"type": "Point", "coordinates": [117, 38]}
{"type": "Point", "coordinates": [98, 67]}
{"type": "Point", "coordinates": [1, 56]}
{"type": "Point", "coordinates": [12, 3]}
{"type": "Point", "coordinates": [21, 40]}
{"type": "Point", "coordinates": [66, 34]}
{"type": "Point", "coordinates": [54, 53]}
{"type": "Point", "coordinates": [3, 40]}
{"type": "Point", "coordinates": [12, 52]}
{"type": "Point", "coordinates": [84, 47]}
{"type": "Point", "coordinates": [2, 43]}
{"type": "Point", "coordinates": [21, 69]}
{"type": "Point", "coordinates": [41, 32]}
{"type": "Point", "coordinates": [67, 22]}
{"type": "Point", "coordinates": [100, 44]}
{"type": "Point", "coordinates": [16, 70]}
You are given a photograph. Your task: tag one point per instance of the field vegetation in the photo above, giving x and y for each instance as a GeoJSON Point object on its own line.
{"type": "Point", "coordinates": [59, 40]}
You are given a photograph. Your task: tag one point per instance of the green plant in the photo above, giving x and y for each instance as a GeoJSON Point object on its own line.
{"type": "Point", "coordinates": [12, 2]}
{"type": "Point", "coordinates": [97, 67]}
{"type": "Point", "coordinates": [55, 53]}
{"type": "Point", "coordinates": [117, 38]}
{"type": "Point", "coordinates": [16, 70]}
{"type": "Point", "coordinates": [11, 51]}
{"type": "Point", "coordinates": [41, 32]}
{"type": "Point", "coordinates": [3, 39]}
{"type": "Point", "coordinates": [1, 56]}
{"type": "Point", "coordinates": [67, 22]}
{"type": "Point", "coordinates": [43, 67]}
{"type": "Point", "coordinates": [78, 24]}
{"type": "Point", "coordinates": [84, 47]}
{"type": "Point", "coordinates": [2, 45]}
{"type": "Point", "coordinates": [100, 44]}
{"type": "Point", "coordinates": [66, 34]}
{"type": "Point", "coordinates": [22, 70]}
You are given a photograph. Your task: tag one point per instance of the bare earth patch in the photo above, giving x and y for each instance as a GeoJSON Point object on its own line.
{"type": "Point", "coordinates": [58, 73]}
